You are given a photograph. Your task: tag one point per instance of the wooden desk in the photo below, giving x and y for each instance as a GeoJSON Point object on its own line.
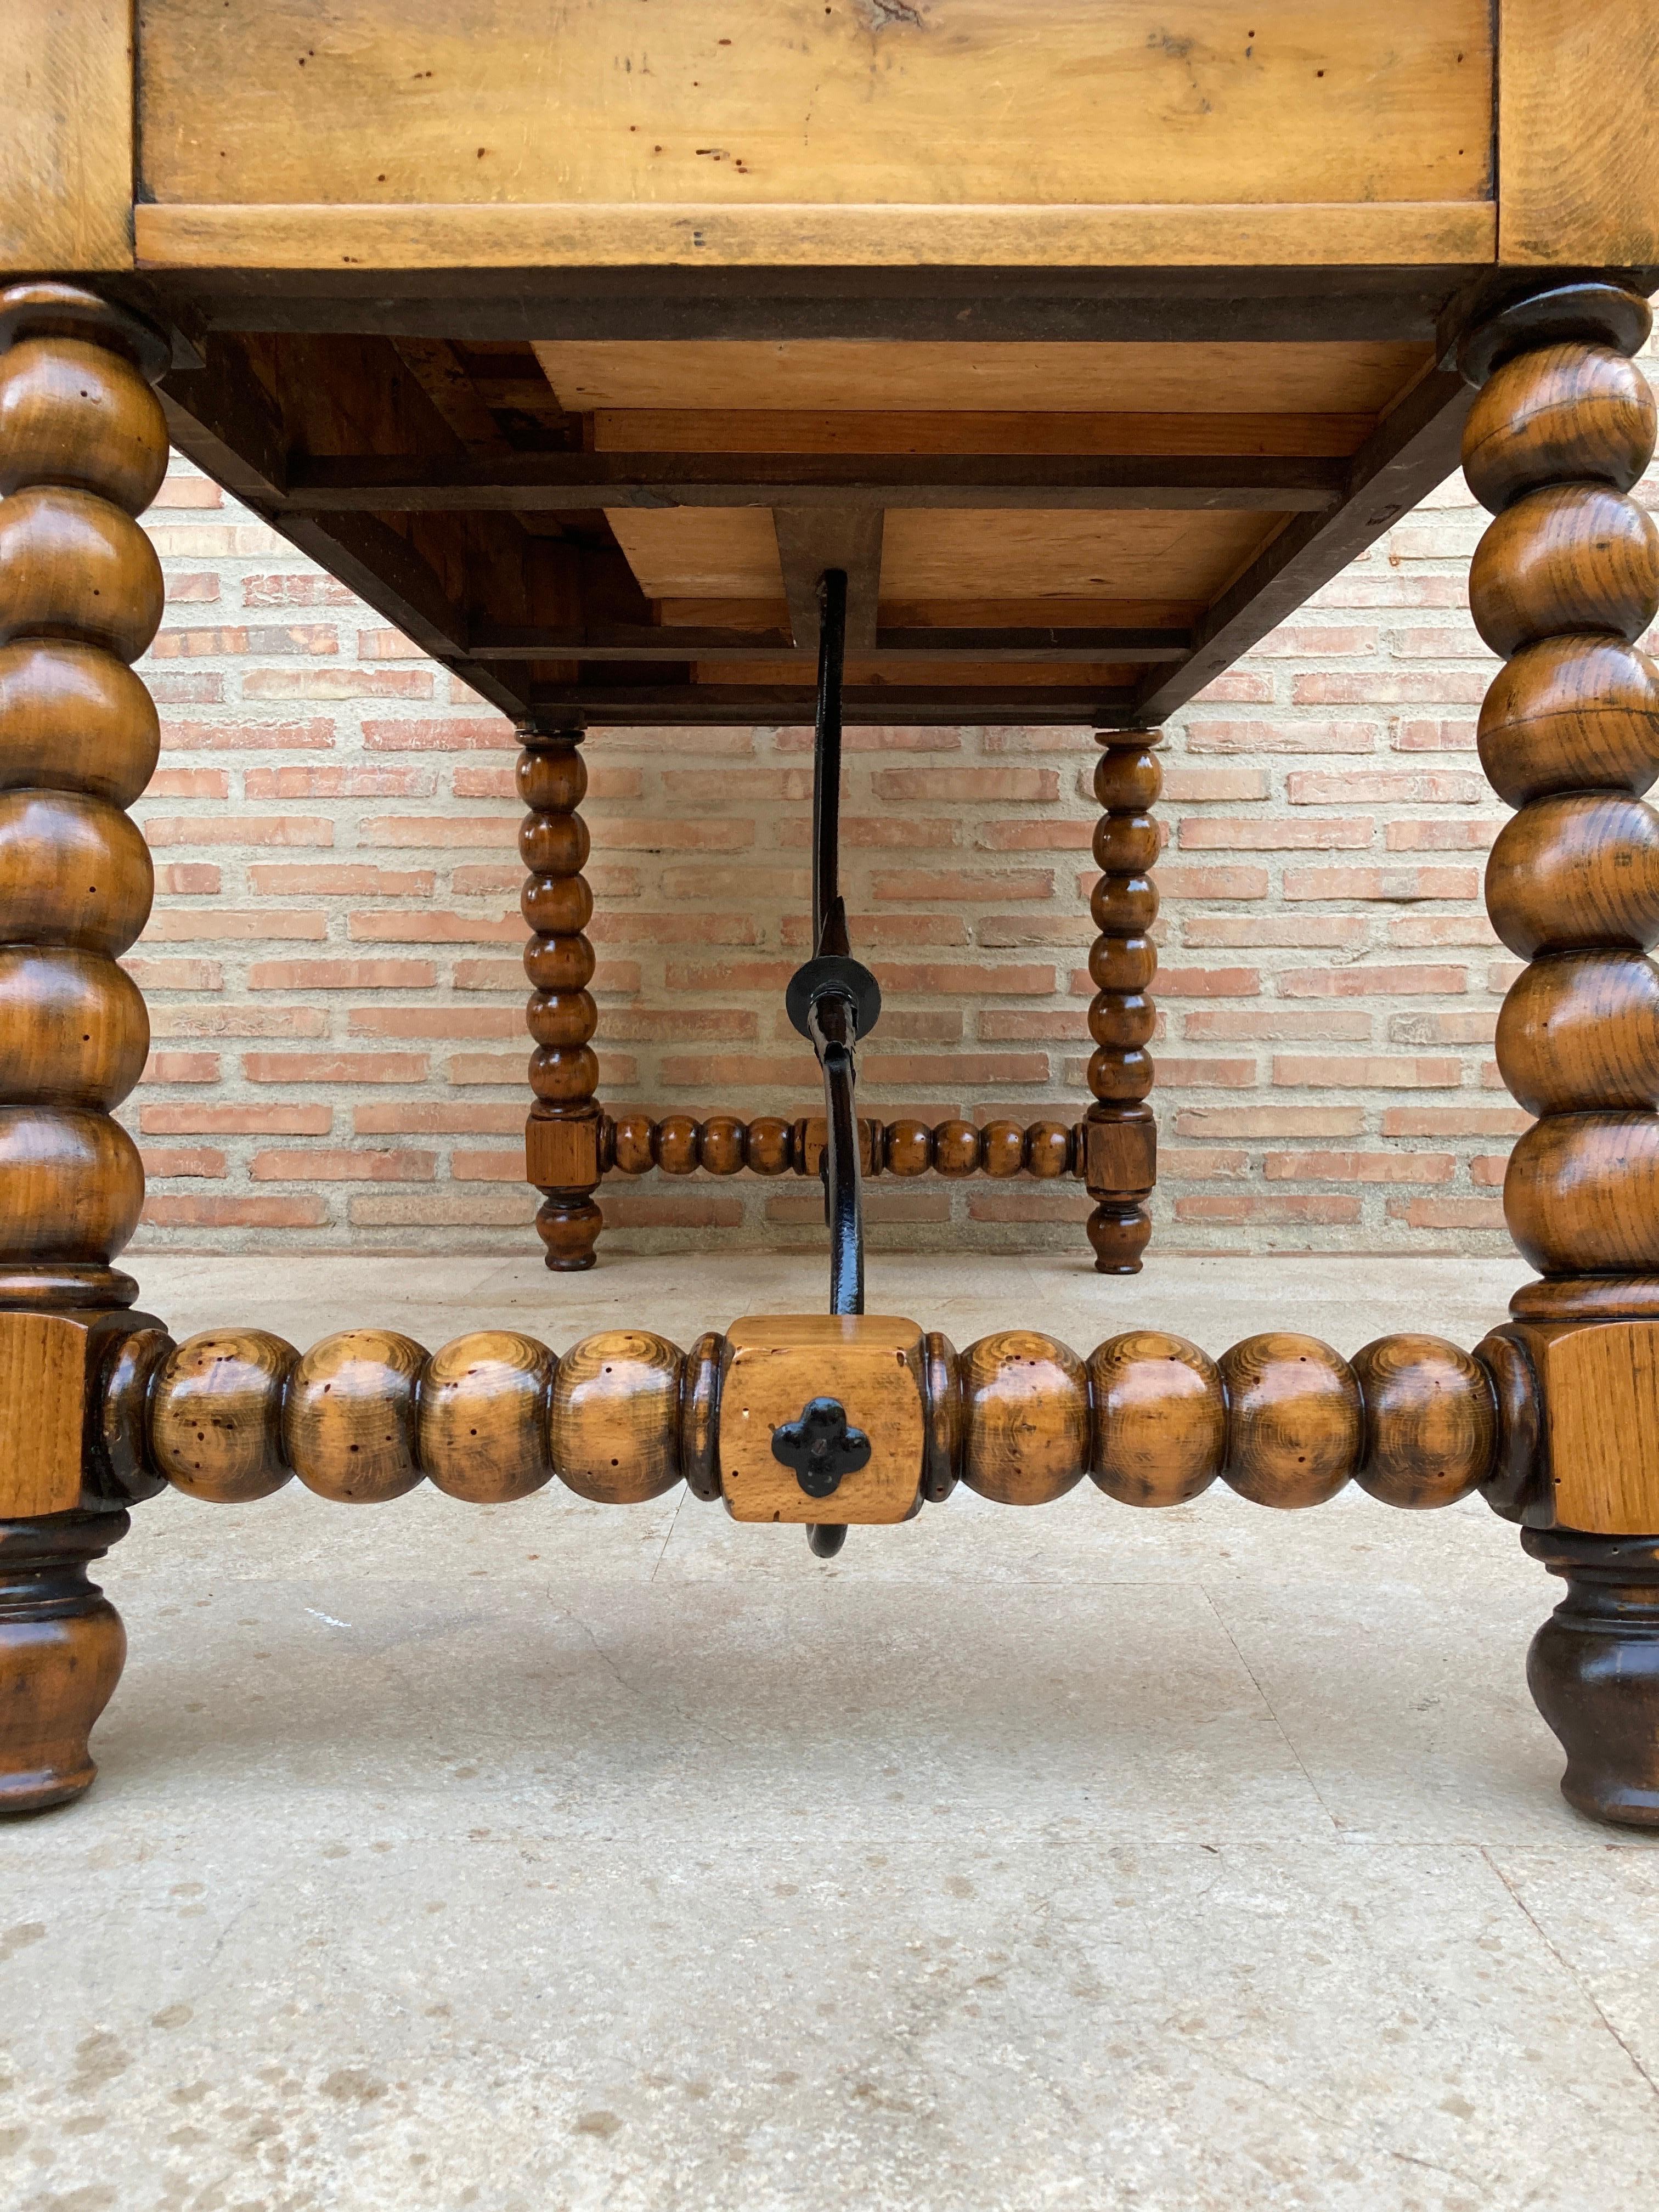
{"type": "Point", "coordinates": [1087, 340]}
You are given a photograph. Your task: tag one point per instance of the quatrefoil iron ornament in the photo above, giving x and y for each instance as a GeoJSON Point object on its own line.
{"type": "Point", "coordinates": [821, 1446]}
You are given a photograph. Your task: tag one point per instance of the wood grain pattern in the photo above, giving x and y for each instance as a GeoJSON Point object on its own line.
{"type": "Point", "coordinates": [838, 382]}
{"type": "Point", "coordinates": [1581, 1195]}
{"type": "Point", "coordinates": [1294, 1416]}
{"type": "Point", "coordinates": [1594, 1671]}
{"type": "Point", "coordinates": [216, 1418]}
{"type": "Point", "coordinates": [1572, 714]}
{"type": "Point", "coordinates": [62, 1648]}
{"type": "Point", "coordinates": [958, 102]}
{"type": "Point", "coordinates": [775, 1365]}
{"type": "Point", "coordinates": [483, 1427]}
{"type": "Point", "coordinates": [1431, 1421]}
{"type": "Point", "coordinates": [72, 719]}
{"type": "Point", "coordinates": [831, 427]}
{"type": "Point", "coordinates": [1024, 1418]}
{"type": "Point", "coordinates": [1118, 1135]}
{"type": "Point", "coordinates": [564, 1133]}
{"type": "Point", "coordinates": [300, 235]}
{"type": "Point", "coordinates": [350, 1413]}
{"type": "Point", "coordinates": [1160, 1419]}
{"type": "Point", "coordinates": [66, 152]}
{"type": "Point", "coordinates": [1578, 91]}
{"type": "Point", "coordinates": [1600, 1393]}
{"type": "Point", "coordinates": [1581, 1031]}
{"type": "Point", "coordinates": [615, 1423]}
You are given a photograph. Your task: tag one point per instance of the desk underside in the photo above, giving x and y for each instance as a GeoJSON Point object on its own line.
{"type": "Point", "coordinates": [1088, 338]}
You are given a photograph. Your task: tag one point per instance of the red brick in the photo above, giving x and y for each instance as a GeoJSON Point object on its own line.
{"type": "Point", "coordinates": [177, 1210]}
{"type": "Point", "coordinates": [335, 1067]}
{"type": "Point", "coordinates": [432, 1118]}
{"type": "Point", "coordinates": [1276, 1025]}
{"type": "Point", "coordinates": [1276, 929]}
{"type": "Point", "coordinates": [966, 787]}
{"type": "Point", "coordinates": [299, 880]}
{"type": "Point", "coordinates": [948, 885]}
{"type": "Point", "coordinates": [688, 1212]}
{"type": "Point", "coordinates": [445, 1209]}
{"type": "Point", "coordinates": [175, 974]}
{"type": "Point", "coordinates": [1388, 884]}
{"type": "Point", "coordinates": [204, 1160]}
{"type": "Point", "coordinates": [1199, 1164]}
{"type": "Point", "coordinates": [182, 1067]}
{"type": "Point", "coordinates": [1396, 982]}
{"type": "Point", "coordinates": [246, 735]}
{"type": "Point", "coordinates": [1028, 1202]}
{"type": "Point", "coordinates": [431, 926]}
{"type": "Point", "coordinates": [1420, 1028]}
{"type": "Point", "coordinates": [1270, 1122]}
{"type": "Point", "coordinates": [1306, 1210]}
{"type": "Point", "coordinates": [1050, 833]}
{"type": "Point", "coordinates": [960, 1072]}
{"type": "Point", "coordinates": [1386, 787]}
{"type": "Point", "coordinates": [1178, 883]}
{"type": "Point", "coordinates": [1463, 835]}
{"type": "Point", "coordinates": [342, 975]}
{"type": "Point", "coordinates": [1196, 982]}
{"type": "Point", "coordinates": [188, 783]}
{"type": "Point", "coordinates": [186, 879]}
{"type": "Point", "coordinates": [443, 734]}
{"type": "Point", "coordinates": [236, 1120]}
{"type": "Point", "coordinates": [1458, 1213]}
{"type": "Point", "coordinates": [1358, 1166]}
{"type": "Point", "coordinates": [1267, 737]}
{"type": "Point", "coordinates": [1454, 1121]}
{"type": "Point", "coordinates": [488, 1167]}
{"type": "Point", "coordinates": [1369, 1071]}
{"type": "Point", "coordinates": [344, 1166]}
{"type": "Point", "coordinates": [338, 683]}
{"type": "Point", "coordinates": [1203, 1075]}
{"type": "Point", "coordinates": [1425, 736]}
{"type": "Point", "coordinates": [237, 1021]}
{"type": "Point", "coordinates": [1211, 833]}
{"type": "Point", "coordinates": [236, 828]}
{"type": "Point", "coordinates": [303, 782]}
{"type": "Point", "coordinates": [178, 925]}
{"type": "Point", "coordinates": [1186, 786]}
{"type": "Point", "coordinates": [1487, 1171]}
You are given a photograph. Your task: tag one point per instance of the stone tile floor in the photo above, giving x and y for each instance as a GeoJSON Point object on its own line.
{"type": "Point", "coordinates": [549, 1856]}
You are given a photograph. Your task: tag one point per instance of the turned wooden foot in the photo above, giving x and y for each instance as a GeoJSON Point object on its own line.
{"type": "Point", "coordinates": [62, 1648]}
{"type": "Point", "coordinates": [1119, 1234]}
{"type": "Point", "coordinates": [1594, 1671]}
{"type": "Point", "coordinates": [568, 1223]}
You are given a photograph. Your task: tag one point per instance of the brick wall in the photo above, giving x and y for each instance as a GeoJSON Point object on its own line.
{"type": "Point", "coordinates": [336, 993]}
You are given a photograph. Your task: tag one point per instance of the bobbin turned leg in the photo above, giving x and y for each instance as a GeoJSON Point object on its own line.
{"type": "Point", "coordinates": [83, 451]}
{"type": "Point", "coordinates": [1566, 580]}
{"type": "Point", "coordinates": [1119, 1134]}
{"type": "Point", "coordinates": [563, 1135]}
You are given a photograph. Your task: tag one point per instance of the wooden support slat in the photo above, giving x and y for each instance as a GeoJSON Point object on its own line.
{"type": "Point", "coordinates": [1168, 305]}
{"type": "Point", "coordinates": [552, 483]}
{"type": "Point", "coordinates": [318, 236]}
{"type": "Point", "coordinates": [1412, 451]}
{"type": "Point", "coordinates": [645, 706]}
{"type": "Point", "coordinates": [642, 642]}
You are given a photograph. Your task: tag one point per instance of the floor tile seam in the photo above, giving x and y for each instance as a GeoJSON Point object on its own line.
{"type": "Point", "coordinates": [1267, 1706]}
{"type": "Point", "coordinates": [1570, 1971]}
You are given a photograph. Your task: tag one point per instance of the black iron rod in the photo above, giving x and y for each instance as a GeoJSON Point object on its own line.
{"type": "Point", "coordinates": [841, 1169]}
{"type": "Point", "coordinates": [826, 752]}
